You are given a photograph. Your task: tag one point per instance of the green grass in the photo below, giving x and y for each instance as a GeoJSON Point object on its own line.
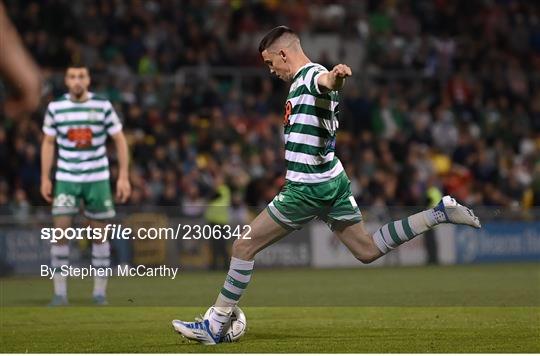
{"type": "Point", "coordinates": [486, 308]}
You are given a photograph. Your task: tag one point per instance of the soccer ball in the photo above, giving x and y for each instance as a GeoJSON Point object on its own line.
{"type": "Point", "coordinates": [237, 327]}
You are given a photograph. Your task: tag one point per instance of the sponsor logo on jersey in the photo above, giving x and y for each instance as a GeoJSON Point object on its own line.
{"type": "Point", "coordinates": [288, 112]}
{"type": "Point", "coordinates": [82, 136]}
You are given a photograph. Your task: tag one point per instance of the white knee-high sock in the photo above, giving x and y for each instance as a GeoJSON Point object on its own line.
{"type": "Point", "coordinates": [59, 258]}
{"type": "Point", "coordinates": [101, 257]}
{"type": "Point", "coordinates": [397, 232]}
{"type": "Point", "coordinates": [235, 284]}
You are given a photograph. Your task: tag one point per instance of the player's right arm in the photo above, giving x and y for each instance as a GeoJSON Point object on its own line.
{"type": "Point", "coordinates": [47, 154]}
{"type": "Point", "coordinates": [18, 69]}
{"type": "Point", "coordinates": [334, 79]}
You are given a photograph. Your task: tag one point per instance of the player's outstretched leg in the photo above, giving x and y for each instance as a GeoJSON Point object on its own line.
{"type": "Point", "coordinates": [448, 210]}
{"type": "Point", "coordinates": [367, 248]}
{"type": "Point", "coordinates": [264, 231]}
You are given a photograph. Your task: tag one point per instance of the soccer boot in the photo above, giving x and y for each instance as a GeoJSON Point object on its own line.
{"type": "Point", "coordinates": [198, 331]}
{"type": "Point", "coordinates": [450, 211]}
{"type": "Point", "coordinates": [99, 300]}
{"type": "Point", "coordinates": [58, 301]}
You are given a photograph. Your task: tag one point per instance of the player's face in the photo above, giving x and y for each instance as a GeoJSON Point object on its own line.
{"type": "Point", "coordinates": [277, 64]}
{"type": "Point", "coordinates": [77, 80]}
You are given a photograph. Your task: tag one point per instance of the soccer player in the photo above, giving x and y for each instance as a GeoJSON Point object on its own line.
{"type": "Point", "coordinates": [316, 183]}
{"type": "Point", "coordinates": [79, 123]}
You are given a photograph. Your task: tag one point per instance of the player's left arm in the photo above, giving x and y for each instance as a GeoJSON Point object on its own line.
{"type": "Point", "coordinates": [123, 187]}
{"type": "Point", "coordinates": [114, 129]}
{"type": "Point", "coordinates": [334, 79]}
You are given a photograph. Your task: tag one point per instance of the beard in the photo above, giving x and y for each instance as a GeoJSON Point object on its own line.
{"type": "Point", "coordinates": [78, 92]}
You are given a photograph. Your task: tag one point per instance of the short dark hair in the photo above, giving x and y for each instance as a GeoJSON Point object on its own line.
{"type": "Point", "coordinates": [273, 35]}
{"type": "Point", "coordinates": [79, 65]}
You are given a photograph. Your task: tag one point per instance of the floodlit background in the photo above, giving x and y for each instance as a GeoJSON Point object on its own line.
{"type": "Point", "coordinates": [444, 97]}
{"type": "Point", "coordinates": [444, 94]}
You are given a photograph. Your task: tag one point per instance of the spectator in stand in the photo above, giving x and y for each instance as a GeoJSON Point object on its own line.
{"type": "Point", "coordinates": [471, 102]}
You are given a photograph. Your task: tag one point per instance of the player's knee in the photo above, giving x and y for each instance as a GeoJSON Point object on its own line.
{"type": "Point", "coordinates": [367, 251]}
{"type": "Point", "coordinates": [366, 257]}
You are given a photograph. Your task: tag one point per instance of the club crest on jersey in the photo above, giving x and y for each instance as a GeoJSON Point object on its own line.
{"type": "Point", "coordinates": [93, 115]}
{"type": "Point", "coordinates": [288, 112]}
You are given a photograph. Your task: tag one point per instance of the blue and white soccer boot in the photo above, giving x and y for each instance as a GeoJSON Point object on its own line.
{"type": "Point", "coordinates": [198, 330]}
{"type": "Point", "coordinates": [450, 211]}
{"type": "Point", "coordinates": [58, 301]}
{"type": "Point", "coordinates": [99, 300]}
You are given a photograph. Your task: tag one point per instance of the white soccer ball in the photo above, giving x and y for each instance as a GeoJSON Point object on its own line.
{"type": "Point", "coordinates": [237, 327]}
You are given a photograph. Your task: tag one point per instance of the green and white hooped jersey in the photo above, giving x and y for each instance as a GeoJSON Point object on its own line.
{"type": "Point", "coordinates": [81, 129]}
{"type": "Point", "coordinates": [310, 129]}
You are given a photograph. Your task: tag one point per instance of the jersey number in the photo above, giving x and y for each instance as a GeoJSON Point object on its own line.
{"type": "Point", "coordinates": [81, 136]}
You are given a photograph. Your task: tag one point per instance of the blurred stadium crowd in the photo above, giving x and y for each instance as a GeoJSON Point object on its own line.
{"type": "Point", "coordinates": [445, 94]}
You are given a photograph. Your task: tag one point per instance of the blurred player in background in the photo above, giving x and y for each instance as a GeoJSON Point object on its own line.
{"type": "Point", "coordinates": [17, 69]}
{"type": "Point", "coordinates": [317, 185]}
{"type": "Point", "coordinates": [79, 123]}
{"type": "Point", "coordinates": [217, 214]}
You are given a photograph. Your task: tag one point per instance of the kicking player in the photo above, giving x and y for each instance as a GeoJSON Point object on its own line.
{"type": "Point", "coordinates": [317, 185]}
{"type": "Point", "coordinates": [79, 123]}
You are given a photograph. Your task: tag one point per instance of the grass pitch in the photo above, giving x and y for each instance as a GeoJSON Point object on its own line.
{"type": "Point", "coordinates": [486, 308]}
